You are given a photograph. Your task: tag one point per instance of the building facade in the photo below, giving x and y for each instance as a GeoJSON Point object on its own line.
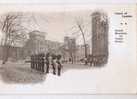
{"type": "Point", "coordinates": [35, 44]}
{"type": "Point", "coordinates": [100, 35]}
{"type": "Point", "coordinates": [70, 48]}
{"type": "Point", "coordinates": [53, 46]}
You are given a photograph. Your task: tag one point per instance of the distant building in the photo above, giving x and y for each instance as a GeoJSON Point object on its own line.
{"type": "Point", "coordinates": [53, 46]}
{"type": "Point", "coordinates": [70, 48]}
{"type": "Point", "coordinates": [35, 44]}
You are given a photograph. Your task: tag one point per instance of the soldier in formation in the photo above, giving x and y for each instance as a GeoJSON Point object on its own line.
{"type": "Point", "coordinates": [59, 65]}
{"type": "Point", "coordinates": [37, 62]}
{"type": "Point", "coordinates": [55, 62]}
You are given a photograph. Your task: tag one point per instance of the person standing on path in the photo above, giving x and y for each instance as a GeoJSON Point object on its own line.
{"type": "Point", "coordinates": [59, 65]}
{"type": "Point", "coordinates": [47, 62]}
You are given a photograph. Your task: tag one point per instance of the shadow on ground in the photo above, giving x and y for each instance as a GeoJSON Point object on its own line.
{"type": "Point", "coordinates": [21, 74]}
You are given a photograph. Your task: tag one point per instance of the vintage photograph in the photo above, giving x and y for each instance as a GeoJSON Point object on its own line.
{"type": "Point", "coordinates": [29, 53]}
{"type": "Point", "coordinates": [78, 49]}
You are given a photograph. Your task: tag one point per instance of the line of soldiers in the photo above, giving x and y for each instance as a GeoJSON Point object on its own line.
{"type": "Point", "coordinates": [38, 62]}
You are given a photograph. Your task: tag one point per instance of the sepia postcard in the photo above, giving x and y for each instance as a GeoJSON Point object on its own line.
{"type": "Point", "coordinates": [68, 49]}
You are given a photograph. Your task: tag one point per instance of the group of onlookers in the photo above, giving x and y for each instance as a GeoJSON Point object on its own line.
{"type": "Point", "coordinates": [95, 60]}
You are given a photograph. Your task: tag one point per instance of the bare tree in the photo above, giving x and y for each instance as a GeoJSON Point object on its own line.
{"type": "Point", "coordinates": [13, 32]}
{"type": "Point", "coordinates": [80, 27]}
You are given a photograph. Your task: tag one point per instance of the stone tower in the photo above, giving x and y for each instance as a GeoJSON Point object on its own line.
{"type": "Point", "coordinates": [100, 36]}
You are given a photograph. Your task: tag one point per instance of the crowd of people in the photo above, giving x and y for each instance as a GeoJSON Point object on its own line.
{"type": "Point", "coordinates": [44, 63]}
{"type": "Point", "coordinates": [95, 60]}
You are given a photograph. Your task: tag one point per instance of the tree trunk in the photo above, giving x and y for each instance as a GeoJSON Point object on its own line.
{"type": "Point", "coordinates": [5, 53]}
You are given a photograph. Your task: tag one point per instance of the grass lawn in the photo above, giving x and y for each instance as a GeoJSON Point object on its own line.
{"type": "Point", "coordinates": [20, 73]}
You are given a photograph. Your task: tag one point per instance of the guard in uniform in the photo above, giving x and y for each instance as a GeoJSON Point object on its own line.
{"type": "Point", "coordinates": [39, 62]}
{"type": "Point", "coordinates": [53, 63]}
{"type": "Point", "coordinates": [47, 62]}
{"type": "Point", "coordinates": [59, 65]}
{"type": "Point", "coordinates": [31, 61]}
{"type": "Point", "coordinates": [34, 61]}
{"type": "Point", "coordinates": [42, 62]}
